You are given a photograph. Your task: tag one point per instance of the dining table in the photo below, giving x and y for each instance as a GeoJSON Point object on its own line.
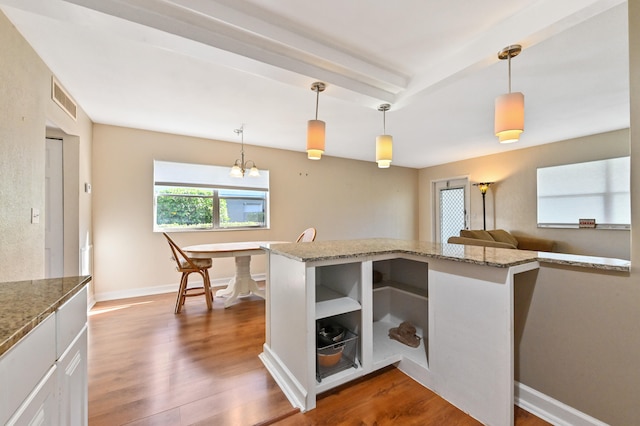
{"type": "Point", "coordinates": [241, 284]}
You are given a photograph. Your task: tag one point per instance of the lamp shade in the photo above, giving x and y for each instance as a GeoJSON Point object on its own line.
{"type": "Point", "coordinates": [254, 172]}
{"type": "Point", "coordinates": [315, 139]}
{"type": "Point", "coordinates": [509, 117]}
{"type": "Point", "coordinates": [236, 171]}
{"type": "Point", "coordinates": [384, 151]}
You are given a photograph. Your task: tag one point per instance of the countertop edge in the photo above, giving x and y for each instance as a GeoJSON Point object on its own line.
{"type": "Point", "coordinates": [587, 265]}
{"type": "Point", "coordinates": [399, 251]}
{"type": "Point", "coordinates": [561, 259]}
{"type": "Point", "coordinates": [12, 340]}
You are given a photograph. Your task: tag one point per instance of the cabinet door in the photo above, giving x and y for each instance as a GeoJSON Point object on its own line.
{"type": "Point", "coordinates": [41, 406]}
{"type": "Point", "coordinates": [24, 366]}
{"type": "Point", "coordinates": [72, 382]}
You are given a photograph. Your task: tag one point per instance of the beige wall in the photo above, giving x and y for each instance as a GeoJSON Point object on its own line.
{"type": "Point", "coordinates": [341, 198]}
{"type": "Point", "coordinates": [511, 201]}
{"type": "Point", "coordinates": [26, 109]}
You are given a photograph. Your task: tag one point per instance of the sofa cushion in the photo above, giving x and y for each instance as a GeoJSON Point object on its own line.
{"type": "Point", "coordinates": [535, 244]}
{"type": "Point", "coordinates": [477, 242]}
{"type": "Point", "coordinates": [478, 234]}
{"type": "Point", "coordinates": [503, 236]}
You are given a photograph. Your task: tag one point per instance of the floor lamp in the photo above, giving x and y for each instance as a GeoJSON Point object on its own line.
{"type": "Point", "coordinates": [483, 186]}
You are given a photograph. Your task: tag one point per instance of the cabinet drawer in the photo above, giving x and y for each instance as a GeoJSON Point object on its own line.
{"type": "Point", "coordinates": [24, 365]}
{"type": "Point", "coordinates": [71, 317]}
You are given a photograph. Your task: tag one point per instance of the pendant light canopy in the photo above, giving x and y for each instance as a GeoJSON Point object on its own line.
{"type": "Point", "coordinates": [384, 142]}
{"type": "Point", "coordinates": [240, 166]}
{"type": "Point", "coordinates": [509, 108]}
{"type": "Point", "coordinates": [316, 128]}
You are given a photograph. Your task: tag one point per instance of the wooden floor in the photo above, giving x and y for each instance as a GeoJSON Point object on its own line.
{"type": "Point", "coordinates": [148, 366]}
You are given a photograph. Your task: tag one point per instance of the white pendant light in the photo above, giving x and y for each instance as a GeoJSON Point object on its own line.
{"type": "Point", "coordinates": [384, 142]}
{"type": "Point", "coordinates": [240, 166]}
{"type": "Point", "coordinates": [316, 128]}
{"type": "Point", "coordinates": [509, 108]}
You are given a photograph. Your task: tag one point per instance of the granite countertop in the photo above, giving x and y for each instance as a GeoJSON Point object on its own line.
{"type": "Point", "coordinates": [489, 256]}
{"type": "Point", "coordinates": [25, 304]}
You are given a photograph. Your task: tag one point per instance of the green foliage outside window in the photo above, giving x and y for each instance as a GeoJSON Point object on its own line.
{"type": "Point", "coordinates": [195, 208]}
{"type": "Point", "coordinates": [185, 208]}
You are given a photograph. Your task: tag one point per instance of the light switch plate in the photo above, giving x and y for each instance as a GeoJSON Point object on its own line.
{"type": "Point", "coordinates": [35, 215]}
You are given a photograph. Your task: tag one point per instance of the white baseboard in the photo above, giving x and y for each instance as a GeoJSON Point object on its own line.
{"type": "Point", "coordinates": [91, 300]}
{"type": "Point", "coordinates": [551, 410]}
{"type": "Point", "coordinates": [289, 385]}
{"type": "Point", "coordinates": [168, 288]}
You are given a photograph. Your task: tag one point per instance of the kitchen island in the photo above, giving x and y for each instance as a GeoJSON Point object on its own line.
{"type": "Point", "coordinates": [43, 351]}
{"type": "Point", "coordinates": [460, 299]}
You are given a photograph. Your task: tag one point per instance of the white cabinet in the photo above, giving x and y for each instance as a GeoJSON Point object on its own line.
{"type": "Point", "coordinates": [462, 308]}
{"type": "Point", "coordinates": [338, 303]}
{"type": "Point", "coordinates": [304, 297]}
{"type": "Point", "coordinates": [44, 375]}
{"type": "Point", "coordinates": [71, 346]}
{"type": "Point", "coordinates": [27, 374]}
{"type": "Point", "coordinates": [40, 407]}
{"type": "Point", "coordinates": [72, 382]}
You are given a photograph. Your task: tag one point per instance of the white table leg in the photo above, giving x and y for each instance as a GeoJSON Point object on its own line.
{"type": "Point", "coordinates": [242, 284]}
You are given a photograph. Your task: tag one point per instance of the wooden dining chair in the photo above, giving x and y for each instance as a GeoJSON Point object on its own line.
{"type": "Point", "coordinates": [307, 235]}
{"type": "Point", "coordinates": [188, 265]}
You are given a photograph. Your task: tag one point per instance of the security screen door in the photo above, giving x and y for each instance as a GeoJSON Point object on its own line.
{"type": "Point", "coordinates": [450, 208]}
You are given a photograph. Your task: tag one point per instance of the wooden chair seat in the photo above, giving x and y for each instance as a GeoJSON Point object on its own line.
{"type": "Point", "coordinates": [187, 266]}
{"type": "Point", "coordinates": [200, 263]}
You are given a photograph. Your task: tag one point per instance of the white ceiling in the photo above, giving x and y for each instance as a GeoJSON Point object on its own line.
{"type": "Point", "coordinates": [204, 67]}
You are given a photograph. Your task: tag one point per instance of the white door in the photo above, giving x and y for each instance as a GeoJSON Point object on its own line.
{"type": "Point", "coordinates": [451, 204]}
{"type": "Point", "coordinates": [53, 213]}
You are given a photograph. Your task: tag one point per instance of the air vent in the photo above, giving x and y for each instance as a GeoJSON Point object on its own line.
{"type": "Point", "coordinates": [60, 96]}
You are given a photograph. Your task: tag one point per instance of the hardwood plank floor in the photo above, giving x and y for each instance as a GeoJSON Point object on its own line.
{"type": "Point", "coordinates": [148, 366]}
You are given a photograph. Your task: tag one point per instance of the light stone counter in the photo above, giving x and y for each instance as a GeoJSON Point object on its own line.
{"type": "Point", "coordinates": [25, 304]}
{"type": "Point", "coordinates": [489, 256]}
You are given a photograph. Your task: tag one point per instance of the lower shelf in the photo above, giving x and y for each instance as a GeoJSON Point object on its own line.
{"type": "Point", "coordinates": [387, 351]}
{"type": "Point", "coordinates": [346, 352]}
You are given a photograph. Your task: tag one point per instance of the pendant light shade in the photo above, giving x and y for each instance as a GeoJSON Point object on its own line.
{"type": "Point", "coordinates": [315, 139]}
{"type": "Point", "coordinates": [316, 128]}
{"type": "Point", "coordinates": [384, 142]}
{"type": "Point", "coordinates": [509, 118]}
{"type": "Point", "coordinates": [384, 151]}
{"type": "Point", "coordinates": [509, 108]}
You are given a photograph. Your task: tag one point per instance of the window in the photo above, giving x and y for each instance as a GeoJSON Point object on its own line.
{"type": "Point", "coordinates": [597, 190]}
{"type": "Point", "coordinates": [203, 197]}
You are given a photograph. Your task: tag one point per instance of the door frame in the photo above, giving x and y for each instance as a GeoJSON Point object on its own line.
{"type": "Point", "coordinates": [451, 182]}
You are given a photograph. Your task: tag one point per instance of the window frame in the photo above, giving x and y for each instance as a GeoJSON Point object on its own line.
{"type": "Point", "coordinates": [216, 179]}
{"type": "Point", "coordinates": [567, 183]}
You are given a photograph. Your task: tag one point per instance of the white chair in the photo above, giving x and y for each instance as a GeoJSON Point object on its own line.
{"type": "Point", "coordinates": [307, 236]}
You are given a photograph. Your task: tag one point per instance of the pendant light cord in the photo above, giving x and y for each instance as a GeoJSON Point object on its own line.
{"type": "Point", "coordinates": [317, 100]}
{"type": "Point", "coordinates": [384, 122]}
{"type": "Point", "coordinates": [509, 72]}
